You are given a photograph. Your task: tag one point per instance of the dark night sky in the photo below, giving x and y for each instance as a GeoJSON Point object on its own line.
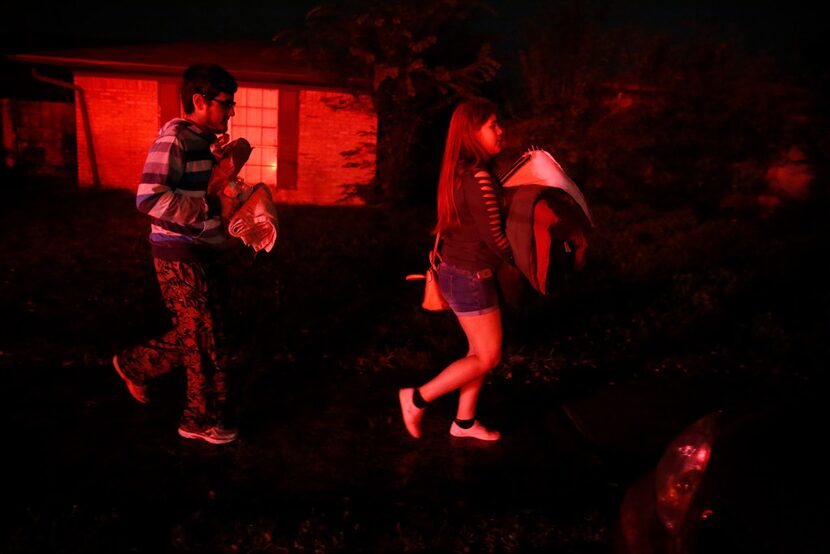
{"type": "Point", "coordinates": [29, 24]}
{"type": "Point", "coordinates": [789, 30]}
{"type": "Point", "coordinates": [84, 22]}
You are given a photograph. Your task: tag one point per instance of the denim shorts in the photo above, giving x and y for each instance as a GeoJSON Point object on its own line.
{"type": "Point", "coordinates": [468, 292]}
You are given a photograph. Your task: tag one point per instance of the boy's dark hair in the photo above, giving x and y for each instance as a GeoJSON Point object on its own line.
{"type": "Point", "coordinates": [207, 79]}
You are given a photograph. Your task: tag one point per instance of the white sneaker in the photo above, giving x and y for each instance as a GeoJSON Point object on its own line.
{"type": "Point", "coordinates": [411, 414]}
{"type": "Point", "coordinates": [477, 431]}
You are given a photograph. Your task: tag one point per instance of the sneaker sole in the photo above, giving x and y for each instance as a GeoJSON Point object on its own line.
{"type": "Point", "coordinates": [476, 437]}
{"type": "Point", "coordinates": [142, 398]}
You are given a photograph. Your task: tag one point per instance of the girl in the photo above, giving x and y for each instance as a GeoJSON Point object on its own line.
{"type": "Point", "coordinates": [471, 223]}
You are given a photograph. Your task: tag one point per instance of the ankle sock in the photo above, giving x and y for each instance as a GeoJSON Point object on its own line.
{"type": "Point", "coordinates": [465, 423]}
{"type": "Point", "coordinates": [417, 399]}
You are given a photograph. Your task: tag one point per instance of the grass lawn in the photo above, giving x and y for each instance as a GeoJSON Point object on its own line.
{"type": "Point", "coordinates": [327, 329]}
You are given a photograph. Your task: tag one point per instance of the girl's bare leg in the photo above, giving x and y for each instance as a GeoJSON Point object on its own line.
{"type": "Point", "coordinates": [484, 334]}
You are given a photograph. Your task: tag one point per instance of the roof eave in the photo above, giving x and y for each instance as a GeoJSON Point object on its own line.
{"type": "Point", "coordinates": [306, 77]}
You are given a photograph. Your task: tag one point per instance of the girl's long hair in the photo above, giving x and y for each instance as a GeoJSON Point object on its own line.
{"type": "Point", "coordinates": [462, 151]}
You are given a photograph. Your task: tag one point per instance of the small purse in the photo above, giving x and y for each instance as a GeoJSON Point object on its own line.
{"type": "Point", "coordinates": [433, 299]}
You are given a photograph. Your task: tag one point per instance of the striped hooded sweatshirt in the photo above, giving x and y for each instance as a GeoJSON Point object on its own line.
{"type": "Point", "coordinates": [172, 192]}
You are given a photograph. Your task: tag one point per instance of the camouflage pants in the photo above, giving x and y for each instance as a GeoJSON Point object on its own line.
{"type": "Point", "coordinates": [189, 291]}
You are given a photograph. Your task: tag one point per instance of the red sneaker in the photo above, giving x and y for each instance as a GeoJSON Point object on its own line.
{"type": "Point", "coordinates": [213, 435]}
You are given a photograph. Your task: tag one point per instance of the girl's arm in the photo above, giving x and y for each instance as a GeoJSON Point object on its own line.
{"type": "Point", "coordinates": [483, 198]}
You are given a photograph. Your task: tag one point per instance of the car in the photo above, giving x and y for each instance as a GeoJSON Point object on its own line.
{"type": "Point", "coordinates": [743, 475]}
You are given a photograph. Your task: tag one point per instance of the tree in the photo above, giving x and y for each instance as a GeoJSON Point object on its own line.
{"type": "Point", "coordinates": [418, 57]}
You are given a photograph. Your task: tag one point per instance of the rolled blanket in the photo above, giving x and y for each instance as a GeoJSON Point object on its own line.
{"type": "Point", "coordinates": [547, 220]}
{"type": "Point", "coordinates": [256, 222]}
{"type": "Point", "coordinates": [538, 167]}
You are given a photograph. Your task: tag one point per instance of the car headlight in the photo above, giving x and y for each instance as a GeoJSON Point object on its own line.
{"type": "Point", "coordinates": [680, 470]}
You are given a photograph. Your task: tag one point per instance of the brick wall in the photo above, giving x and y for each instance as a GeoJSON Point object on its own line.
{"type": "Point", "coordinates": [38, 137]}
{"type": "Point", "coordinates": [124, 119]}
{"type": "Point", "coordinates": [336, 147]}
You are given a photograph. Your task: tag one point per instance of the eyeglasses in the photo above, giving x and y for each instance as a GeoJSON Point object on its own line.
{"type": "Point", "coordinates": [228, 104]}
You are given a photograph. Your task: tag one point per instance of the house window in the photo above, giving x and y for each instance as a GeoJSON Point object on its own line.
{"type": "Point", "coordinates": [256, 120]}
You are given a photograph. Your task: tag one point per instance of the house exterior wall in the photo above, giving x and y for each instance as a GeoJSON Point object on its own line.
{"type": "Point", "coordinates": [38, 137]}
{"type": "Point", "coordinates": [337, 138]}
{"type": "Point", "coordinates": [124, 119]}
{"type": "Point", "coordinates": [334, 137]}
